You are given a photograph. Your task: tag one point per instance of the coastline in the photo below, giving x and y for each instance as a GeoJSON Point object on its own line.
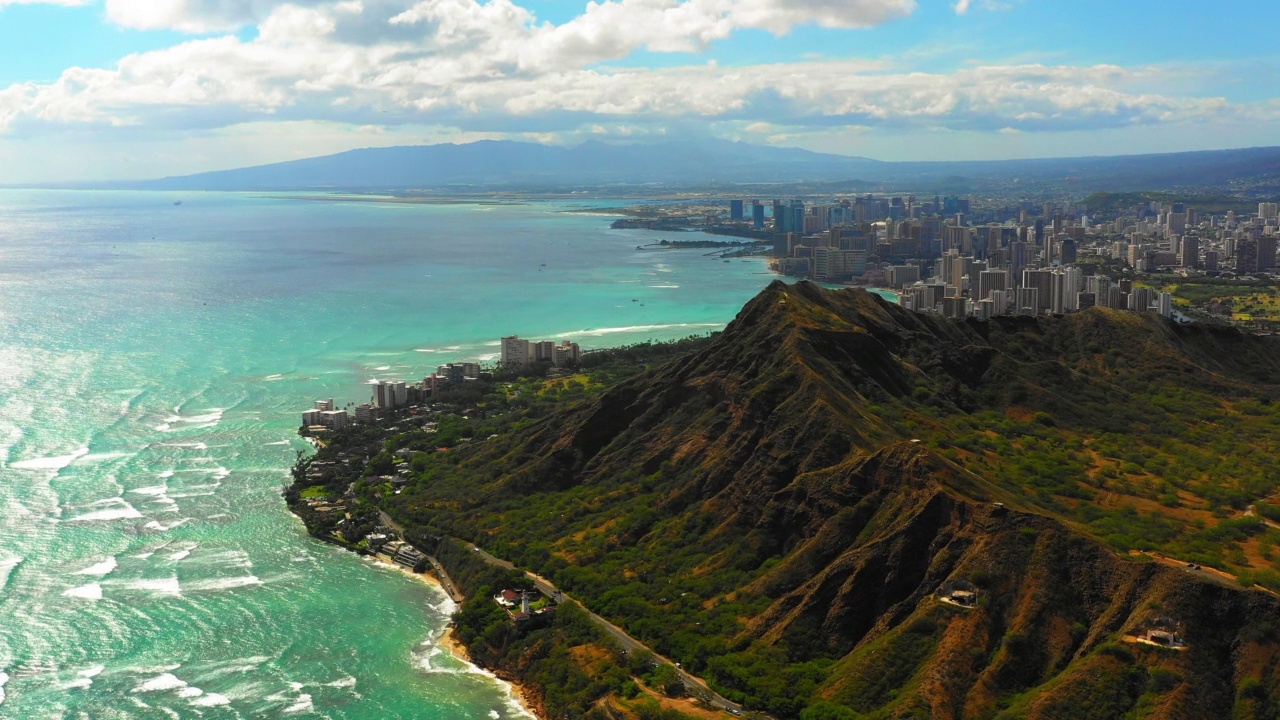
{"type": "Point", "coordinates": [455, 648]}
{"type": "Point", "coordinates": [397, 199]}
{"type": "Point", "coordinates": [518, 692]}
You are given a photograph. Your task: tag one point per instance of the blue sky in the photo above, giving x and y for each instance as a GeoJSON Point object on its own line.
{"type": "Point", "coordinates": [95, 89]}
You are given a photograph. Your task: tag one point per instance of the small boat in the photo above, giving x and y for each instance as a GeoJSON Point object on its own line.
{"type": "Point", "coordinates": [177, 202]}
{"type": "Point", "coordinates": [635, 300]}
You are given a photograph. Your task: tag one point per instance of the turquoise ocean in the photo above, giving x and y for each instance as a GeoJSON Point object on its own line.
{"type": "Point", "coordinates": [154, 361]}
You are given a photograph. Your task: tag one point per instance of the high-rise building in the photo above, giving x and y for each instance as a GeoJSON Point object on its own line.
{"type": "Point", "coordinates": [335, 419]}
{"type": "Point", "coordinates": [1019, 252]}
{"type": "Point", "coordinates": [1189, 253]}
{"type": "Point", "coordinates": [757, 216]}
{"type": "Point", "coordinates": [1268, 210]}
{"type": "Point", "coordinates": [735, 209]}
{"type": "Point", "coordinates": [515, 352]}
{"type": "Point", "coordinates": [1117, 299]}
{"type": "Point", "coordinates": [543, 351]}
{"type": "Point", "coordinates": [955, 307]}
{"type": "Point", "coordinates": [902, 275]}
{"type": "Point", "coordinates": [1211, 260]}
{"type": "Point", "coordinates": [1042, 281]}
{"type": "Point", "coordinates": [389, 394]}
{"type": "Point", "coordinates": [999, 300]}
{"type": "Point", "coordinates": [1246, 256]}
{"type": "Point", "coordinates": [1266, 253]}
{"type": "Point", "coordinates": [989, 280]}
{"type": "Point", "coordinates": [567, 353]}
{"type": "Point", "coordinates": [1028, 301]}
{"type": "Point", "coordinates": [1067, 251]}
{"type": "Point", "coordinates": [1141, 299]}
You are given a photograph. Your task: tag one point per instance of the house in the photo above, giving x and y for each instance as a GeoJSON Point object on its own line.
{"type": "Point", "coordinates": [527, 608]}
{"type": "Point", "coordinates": [959, 596]}
{"type": "Point", "coordinates": [1167, 638]}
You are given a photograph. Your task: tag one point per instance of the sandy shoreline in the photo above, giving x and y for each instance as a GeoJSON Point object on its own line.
{"type": "Point", "coordinates": [451, 645]}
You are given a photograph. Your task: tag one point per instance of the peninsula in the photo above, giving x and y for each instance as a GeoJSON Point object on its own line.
{"type": "Point", "coordinates": [841, 508]}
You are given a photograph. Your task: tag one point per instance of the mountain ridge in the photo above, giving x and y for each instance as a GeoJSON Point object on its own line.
{"type": "Point", "coordinates": [781, 510]}
{"type": "Point", "coordinates": [511, 164]}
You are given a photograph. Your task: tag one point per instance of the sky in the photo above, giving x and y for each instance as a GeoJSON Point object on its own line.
{"type": "Point", "coordinates": [134, 89]}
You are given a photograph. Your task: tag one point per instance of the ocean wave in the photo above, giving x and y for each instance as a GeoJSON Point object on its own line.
{"type": "Point", "coordinates": [122, 511]}
{"type": "Point", "coordinates": [55, 462]}
{"type": "Point", "coordinates": [106, 567]}
{"type": "Point", "coordinates": [4, 679]}
{"type": "Point", "coordinates": [199, 422]}
{"type": "Point", "coordinates": [160, 586]}
{"type": "Point", "coordinates": [301, 705]}
{"type": "Point", "coordinates": [238, 666]}
{"type": "Point", "coordinates": [466, 668]}
{"type": "Point", "coordinates": [151, 490]}
{"type": "Point", "coordinates": [598, 332]}
{"type": "Point", "coordinates": [161, 527]}
{"type": "Point", "coordinates": [187, 446]}
{"type": "Point", "coordinates": [160, 683]}
{"type": "Point", "coordinates": [222, 583]}
{"type": "Point", "coordinates": [95, 457]}
{"type": "Point", "coordinates": [180, 555]}
{"type": "Point", "coordinates": [92, 591]}
{"type": "Point", "coordinates": [211, 700]}
{"type": "Point", "coordinates": [6, 568]}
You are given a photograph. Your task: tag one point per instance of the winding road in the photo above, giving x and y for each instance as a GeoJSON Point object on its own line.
{"type": "Point", "coordinates": [695, 686]}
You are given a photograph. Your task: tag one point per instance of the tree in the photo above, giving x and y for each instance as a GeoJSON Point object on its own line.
{"type": "Point", "coordinates": [666, 679]}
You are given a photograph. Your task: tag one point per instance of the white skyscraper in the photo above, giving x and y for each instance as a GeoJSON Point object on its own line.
{"type": "Point", "coordinates": [515, 352]}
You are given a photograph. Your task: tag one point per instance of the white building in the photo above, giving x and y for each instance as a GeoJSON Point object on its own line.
{"type": "Point", "coordinates": [334, 419]}
{"type": "Point", "coordinates": [516, 352]}
{"type": "Point", "coordinates": [388, 394]}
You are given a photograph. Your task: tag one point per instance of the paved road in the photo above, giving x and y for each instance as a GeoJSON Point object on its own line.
{"type": "Point", "coordinates": [1251, 511]}
{"type": "Point", "coordinates": [693, 684]}
{"type": "Point", "coordinates": [445, 581]}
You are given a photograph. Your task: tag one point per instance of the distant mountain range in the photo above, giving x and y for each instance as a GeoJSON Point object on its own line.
{"type": "Point", "coordinates": [533, 166]}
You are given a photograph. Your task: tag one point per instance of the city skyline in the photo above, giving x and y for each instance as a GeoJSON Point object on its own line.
{"type": "Point", "coordinates": [129, 89]}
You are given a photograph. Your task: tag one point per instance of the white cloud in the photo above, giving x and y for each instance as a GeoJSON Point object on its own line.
{"type": "Point", "coordinates": [963, 6]}
{"type": "Point", "coordinates": [493, 69]}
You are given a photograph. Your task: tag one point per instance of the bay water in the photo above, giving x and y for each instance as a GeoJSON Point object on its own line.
{"type": "Point", "coordinates": [154, 361]}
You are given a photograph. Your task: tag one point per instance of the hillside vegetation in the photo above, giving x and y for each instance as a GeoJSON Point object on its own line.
{"type": "Point", "coordinates": [1117, 201]}
{"type": "Point", "coordinates": [780, 510]}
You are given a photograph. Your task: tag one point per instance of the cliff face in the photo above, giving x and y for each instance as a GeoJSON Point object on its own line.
{"type": "Point", "coordinates": [784, 511]}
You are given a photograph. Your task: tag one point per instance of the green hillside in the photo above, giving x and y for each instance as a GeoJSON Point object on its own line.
{"type": "Point", "coordinates": [780, 509]}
